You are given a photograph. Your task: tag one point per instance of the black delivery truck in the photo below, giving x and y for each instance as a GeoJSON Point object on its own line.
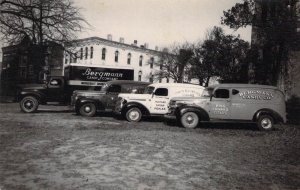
{"type": "Point", "coordinates": [58, 89]}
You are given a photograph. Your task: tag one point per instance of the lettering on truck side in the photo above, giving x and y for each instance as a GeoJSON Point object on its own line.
{"type": "Point", "coordinates": [256, 95]}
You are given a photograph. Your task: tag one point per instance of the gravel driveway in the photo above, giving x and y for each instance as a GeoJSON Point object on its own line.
{"type": "Point", "coordinates": [56, 149]}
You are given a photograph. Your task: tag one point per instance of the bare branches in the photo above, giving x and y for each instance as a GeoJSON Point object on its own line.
{"type": "Point", "coordinates": [55, 20]}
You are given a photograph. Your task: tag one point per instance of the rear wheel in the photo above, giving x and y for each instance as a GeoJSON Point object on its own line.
{"type": "Point", "coordinates": [265, 123]}
{"type": "Point", "coordinates": [134, 115]}
{"type": "Point", "coordinates": [29, 104]}
{"type": "Point", "coordinates": [87, 109]}
{"type": "Point", "coordinates": [189, 120]}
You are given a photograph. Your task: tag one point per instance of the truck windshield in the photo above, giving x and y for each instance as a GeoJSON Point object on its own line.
{"type": "Point", "coordinates": [149, 90]}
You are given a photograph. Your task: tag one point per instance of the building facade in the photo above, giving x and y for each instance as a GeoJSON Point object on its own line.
{"type": "Point", "coordinates": [95, 52]}
{"type": "Point", "coordinates": [21, 64]}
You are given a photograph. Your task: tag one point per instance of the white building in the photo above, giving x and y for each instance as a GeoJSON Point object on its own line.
{"type": "Point", "coordinates": [105, 53]}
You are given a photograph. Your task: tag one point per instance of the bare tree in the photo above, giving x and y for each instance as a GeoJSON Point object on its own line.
{"type": "Point", "coordinates": [40, 20]}
{"type": "Point", "coordinates": [220, 55]}
{"type": "Point", "coordinates": [174, 62]}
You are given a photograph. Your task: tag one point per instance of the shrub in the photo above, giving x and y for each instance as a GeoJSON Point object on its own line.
{"type": "Point", "coordinates": [293, 110]}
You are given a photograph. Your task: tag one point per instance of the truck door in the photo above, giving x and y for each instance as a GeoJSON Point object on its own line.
{"type": "Point", "coordinates": [160, 100]}
{"type": "Point", "coordinates": [110, 98]}
{"type": "Point", "coordinates": [55, 90]}
{"type": "Point", "coordinates": [220, 105]}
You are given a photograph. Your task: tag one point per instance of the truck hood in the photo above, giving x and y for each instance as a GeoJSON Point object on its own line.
{"type": "Point", "coordinates": [135, 96]}
{"type": "Point", "coordinates": [87, 92]}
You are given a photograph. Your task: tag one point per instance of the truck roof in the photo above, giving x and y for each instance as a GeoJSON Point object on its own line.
{"type": "Point", "coordinates": [127, 82]}
{"type": "Point", "coordinates": [176, 85]}
{"type": "Point", "coordinates": [238, 85]}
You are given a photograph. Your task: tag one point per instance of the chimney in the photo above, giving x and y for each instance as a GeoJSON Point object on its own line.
{"type": "Point", "coordinates": [135, 42]}
{"type": "Point", "coordinates": [146, 45]}
{"type": "Point", "coordinates": [109, 37]}
{"type": "Point", "coordinates": [122, 40]}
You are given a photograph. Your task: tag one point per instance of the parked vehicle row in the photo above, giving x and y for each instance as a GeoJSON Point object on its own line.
{"type": "Point", "coordinates": [190, 105]}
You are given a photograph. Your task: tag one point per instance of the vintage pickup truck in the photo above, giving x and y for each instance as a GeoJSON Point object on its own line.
{"type": "Point", "coordinates": [87, 103]}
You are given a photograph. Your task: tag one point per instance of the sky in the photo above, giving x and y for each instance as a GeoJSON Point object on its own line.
{"type": "Point", "coordinates": [156, 22]}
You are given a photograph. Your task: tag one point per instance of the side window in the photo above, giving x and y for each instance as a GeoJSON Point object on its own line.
{"type": "Point", "coordinates": [133, 89]}
{"type": "Point", "coordinates": [161, 92]}
{"type": "Point", "coordinates": [234, 91]}
{"type": "Point", "coordinates": [114, 88]}
{"type": "Point", "coordinates": [222, 93]}
{"type": "Point", "coordinates": [55, 82]}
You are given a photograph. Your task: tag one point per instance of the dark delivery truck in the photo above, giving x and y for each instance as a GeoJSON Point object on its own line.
{"type": "Point", "coordinates": [58, 89]}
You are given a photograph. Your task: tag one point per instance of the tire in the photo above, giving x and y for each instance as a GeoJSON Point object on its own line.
{"type": "Point", "coordinates": [29, 104]}
{"type": "Point", "coordinates": [87, 109]}
{"type": "Point", "coordinates": [134, 115]}
{"type": "Point", "coordinates": [265, 123]}
{"type": "Point", "coordinates": [189, 120]}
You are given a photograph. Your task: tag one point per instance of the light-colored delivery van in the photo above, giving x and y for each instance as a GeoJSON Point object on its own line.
{"type": "Point", "coordinates": [262, 104]}
{"type": "Point", "coordinates": [155, 99]}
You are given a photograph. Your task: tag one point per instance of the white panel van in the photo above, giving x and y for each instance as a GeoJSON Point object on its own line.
{"type": "Point", "coordinates": [155, 99]}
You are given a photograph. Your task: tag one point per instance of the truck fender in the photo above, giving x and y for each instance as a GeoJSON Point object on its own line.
{"type": "Point", "coordinates": [276, 116]}
{"type": "Point", "coordinates": [98, 104]}
{"type": "Point", "coordinates": [198, 110]}
{"type": "Point", "coordinates": [129, 105]}
{"type": "Point", "coordinates": [40, 97]}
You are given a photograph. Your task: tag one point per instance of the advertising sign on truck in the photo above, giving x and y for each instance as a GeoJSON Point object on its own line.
{"type": "Point", "coordinates": [95, 76]}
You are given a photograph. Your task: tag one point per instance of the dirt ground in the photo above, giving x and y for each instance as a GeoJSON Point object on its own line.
{"type": "Point", "coordinates": [55, 149]}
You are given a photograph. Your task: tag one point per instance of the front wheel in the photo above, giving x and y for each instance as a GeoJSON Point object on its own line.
{"type": "Point", "coordinates": [87, 109]}
{"type": "Point", "coordinates": [134, 115]}
{"type": "Point", "coordinates": [265, 123]}
{"type": "Point", "coordinates": [29, 104]}
{"type": "Point", "coordinates": [189, 120]}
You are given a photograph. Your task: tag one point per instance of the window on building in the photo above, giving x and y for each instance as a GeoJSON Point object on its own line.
{"type": "Point", "coordinates": [92, 52]}
{"type": "Point", "coordinates": [75, 58]}
{"type": "Point", "coordinates": [71, 58]}
{"type": "Point", "coordinates": [140, 76]}
{"type": "Point", "coordinates": [151, 78]}
{"type": "Point", "coordinates": [86, 52]}
{"type": "Point", "coordinates": [22, 72]}
{"type": "Point", "coordinates": [128, 58]}
{"type": "Point", "coordinates": [66, 59]}
{"type": "Point", "coordinates": [151, 62]}
{"type": "Point", "coordinates": [116, 56]}
{"type": "Point", "coordinates": [141, 61]}
{"type": "Point", "coordinates": [103, 53]}
{"type": "Point", "coordinates": [81, 53]}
